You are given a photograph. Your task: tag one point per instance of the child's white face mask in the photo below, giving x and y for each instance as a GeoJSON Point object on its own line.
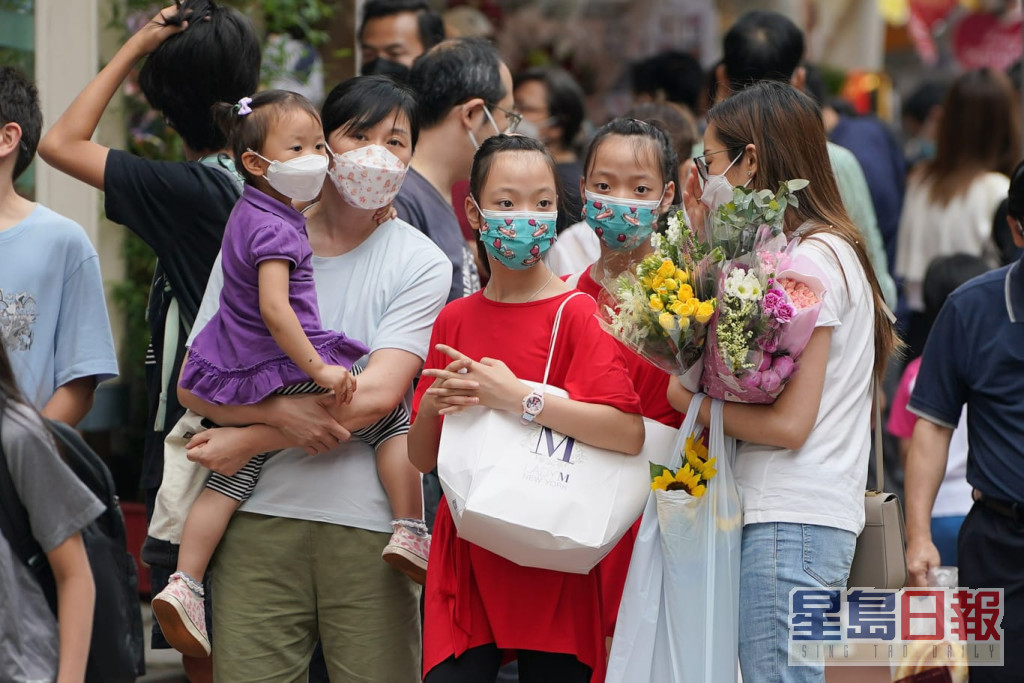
{"type": "Point", "coordinates": [300, 178]}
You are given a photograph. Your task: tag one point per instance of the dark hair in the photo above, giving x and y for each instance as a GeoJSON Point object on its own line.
{"type": "Point", "coordinates": [564, 95]}
{"type": "Point", "coordinates": [19, 103]}
{"type": "Point", "coordinates": [1015, 197]}
{"type": "Point", "coordinates": [430, 23]}
{"type": "Point", "coordinates": [677, 122]}
{"type": "Point", "coordinates": [923, 99]}
{"type": "Point", "coordinates": [452, 72]}
{"type": "Point", "coordinates": [761, 46]}
{"type": "Point", "coordinates": [495, 145]}
{"type": "Point", "coordinates": [674, 76]}
{"type": "Point", "coordinates": [945, 274]}
{"type": "Point", "coordinates": [979, 132]}
{"type": "Point", "coordinates": [785, 127]}
{"type": "Point", "coordinates": [647, 137]}
{"type": "Point", "coordinates": [250, 131]}
{"type": "Point", "coordinates": [362, 102]}
{"type": "Point", "coordinates": [216, 59]}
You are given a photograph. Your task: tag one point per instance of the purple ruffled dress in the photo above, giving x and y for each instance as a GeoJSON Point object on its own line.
{"type": "Point", "coordinates": [234, 360]}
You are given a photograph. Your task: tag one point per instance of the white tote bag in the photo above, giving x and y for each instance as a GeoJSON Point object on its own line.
{"type": "Point", "coordinates": [537, 497]}
{"type": "Point", "coordinates": [679, 617]}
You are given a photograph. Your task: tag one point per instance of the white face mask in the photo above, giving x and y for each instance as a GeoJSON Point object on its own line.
{"type": "Point", "coordinates": [718, 189]}
{"type": "Point", "coordinates": [533, 130]}
{"type": "Point", "coordinates": [300, 178]}
{"type": "Point", "coordinates": [472, 138]}
{"type": "Point", "coordinates": [368, 177]}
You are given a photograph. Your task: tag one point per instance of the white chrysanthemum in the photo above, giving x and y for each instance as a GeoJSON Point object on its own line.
{"type": "Point", "coordinates": [656, 240]}
{"type": "Point", "coordinates": [674, 234]}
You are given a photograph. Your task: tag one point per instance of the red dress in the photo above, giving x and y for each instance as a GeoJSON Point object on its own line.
{"type": "Point", "coordinates": [651, 384]}
{"type": "Point", "coordinates": [474, 597]}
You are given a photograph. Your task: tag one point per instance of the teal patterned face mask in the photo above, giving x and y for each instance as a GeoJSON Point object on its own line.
{"type": "Point", "coordinates": [517, 239]}
{"type": "Point", "coordinates": [622, 224]}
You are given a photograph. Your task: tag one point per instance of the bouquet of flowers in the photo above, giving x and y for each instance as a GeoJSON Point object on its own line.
{"type": "Point", "coordinates": [661, 308]}
{"type": "Point", "coordinates": [694, 474]}
{"type": "Point", "coordinates": [768, 299]}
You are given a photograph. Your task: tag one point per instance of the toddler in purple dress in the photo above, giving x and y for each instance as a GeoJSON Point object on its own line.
{"type": "Point", "coordinates": [267, 338]}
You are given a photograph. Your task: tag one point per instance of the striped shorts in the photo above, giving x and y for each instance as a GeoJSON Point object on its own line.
{"type": "Point", "coordinates": [240, 485]}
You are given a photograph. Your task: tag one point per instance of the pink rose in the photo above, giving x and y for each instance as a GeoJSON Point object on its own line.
{"type": "Point", "coordinates": [770, 381]}
{"type": "Point", "coordinates": [770, 343]}
{"type": "Point", "coordinates": [784, 366]}
{"type": "Point", "coordinates": [752, 380]}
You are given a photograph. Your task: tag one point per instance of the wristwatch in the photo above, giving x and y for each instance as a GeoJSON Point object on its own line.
{"type": "Point", "coordinates": [532, 405]}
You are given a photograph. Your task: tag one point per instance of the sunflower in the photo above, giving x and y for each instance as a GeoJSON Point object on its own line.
{"type": "Point", "coordinates": [663, 481]}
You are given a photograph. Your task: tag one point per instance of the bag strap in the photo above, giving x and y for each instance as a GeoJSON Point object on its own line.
{"type": "Point", "coordinates": [554, 337]}
{"type": "Point", "coordinates": [879, 460]}
{"type": "Point", "coordinates": [172, 333]}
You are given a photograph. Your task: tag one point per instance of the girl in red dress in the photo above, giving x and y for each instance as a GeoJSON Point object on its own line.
{"type": "Point", "coordinates": [479, 608]}
{"type": "Point", "coordinates": [629, 177]}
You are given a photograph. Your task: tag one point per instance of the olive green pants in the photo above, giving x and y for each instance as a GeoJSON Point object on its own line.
{"type": "Point", "coordinates": [280, 584]}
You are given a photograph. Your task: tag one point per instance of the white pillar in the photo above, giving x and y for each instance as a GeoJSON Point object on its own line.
{"type": "Point", "coordinates": [67, 55]}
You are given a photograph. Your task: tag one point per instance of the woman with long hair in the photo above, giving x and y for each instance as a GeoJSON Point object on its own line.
{"type": "Point", "coordinates": [952, 199]}
{"type": "Point", "coordinates": [35, 645]}
{"type": "Point", "coordinates": [803, 461]}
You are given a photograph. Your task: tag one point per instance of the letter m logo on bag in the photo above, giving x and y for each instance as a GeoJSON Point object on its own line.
{"type": "Point", "coordinates": [562, 450]}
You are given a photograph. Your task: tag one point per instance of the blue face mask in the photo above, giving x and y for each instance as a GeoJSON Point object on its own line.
{"type": "Point", "coordinates": [517, 239]}
{"type": "Point", "coordinates": [622, 224]}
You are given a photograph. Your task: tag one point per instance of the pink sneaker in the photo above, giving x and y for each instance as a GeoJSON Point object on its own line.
{"type": "Point", "coordinates": [182, 617]}
{"type": "Point", "coordinates": [407, 552]}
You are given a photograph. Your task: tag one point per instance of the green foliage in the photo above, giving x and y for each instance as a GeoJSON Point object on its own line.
{"type": "Point", "coordinates": [734, 226]}
{"type": "Point", "coordinates": [301, 18]}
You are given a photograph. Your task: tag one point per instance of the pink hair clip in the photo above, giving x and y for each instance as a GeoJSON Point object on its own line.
{"type": "Point", "coordinates": [243, 108]}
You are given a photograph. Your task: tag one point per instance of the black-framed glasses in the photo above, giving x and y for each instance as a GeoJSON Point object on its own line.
{"type": "Point", "coordinates": [702, 164]}
{"type": "Point", "coordinates": [514, 118]}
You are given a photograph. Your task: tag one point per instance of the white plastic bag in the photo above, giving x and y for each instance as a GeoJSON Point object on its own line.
{"type": "Point", "coordinates": [679, 617]}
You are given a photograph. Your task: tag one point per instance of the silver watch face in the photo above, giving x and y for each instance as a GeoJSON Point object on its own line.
{"type": "Point", "coordinates": [533, 403]}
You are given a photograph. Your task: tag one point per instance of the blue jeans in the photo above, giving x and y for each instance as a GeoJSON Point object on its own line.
{"type": "Point", "coordinates": [945, 532]}
{"type": "Point", "coordinates": [777, 557]}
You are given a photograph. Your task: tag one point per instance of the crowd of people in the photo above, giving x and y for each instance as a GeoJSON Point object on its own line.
{"type": "Point", "coordinates": [333, 280]}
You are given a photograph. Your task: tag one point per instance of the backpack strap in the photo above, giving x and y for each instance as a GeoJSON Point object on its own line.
{"type": "Point", "coordinates": [16, 528]}
{"type": "Point", "coordinates": [172, 333]}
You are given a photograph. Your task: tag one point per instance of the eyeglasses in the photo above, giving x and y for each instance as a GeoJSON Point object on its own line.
{"type": "Point", "coordinates": [702, 165]}
{"type": "Point", "coordinates": [514, 118]}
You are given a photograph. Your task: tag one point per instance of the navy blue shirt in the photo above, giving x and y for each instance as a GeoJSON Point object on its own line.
{"type": "Point", "coordinates": [975, 355]}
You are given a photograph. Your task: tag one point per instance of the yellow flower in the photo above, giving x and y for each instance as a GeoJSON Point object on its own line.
{"type": "Point", "coordinates": [687, 308]}
{"type": "Point", "coordinates": [677, 307]}
{"type": "Point", "coordinates": [682, 276]}
{"type": "Point", "coordinates": [671, 285]}
{"type": "Point", "coordinates": [667, 321]}
{"type": "Point", "coordinates": [698, 490]}
{"type": "Point", "coordinates": [667, 269]}
{"type": "Point", "coordinates": [685, 292]}
{"type": "Point", "coordinates": [704, 311]}
{"type": "Point", "coordinates": [656, 302]}
{"type": "Point", "coordinates": [647, 282]}
{"type": "Point", "coordinates": [687, 477]}
{"type": "Point", "coordinates": [696, 446]}
{"type": "Point", "coordinates": [662, 481]}
{"type": "Point", "coordinates": [658, 282]}
{"type": "Point", "coordinates": [684, 324]}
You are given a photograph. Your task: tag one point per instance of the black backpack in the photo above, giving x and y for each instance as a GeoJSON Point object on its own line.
{"type": "Point", "coordinates": [116, 654]}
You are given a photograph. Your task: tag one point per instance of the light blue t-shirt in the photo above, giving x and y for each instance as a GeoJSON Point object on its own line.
{"type": "Point", "coordinates": [53, 315]}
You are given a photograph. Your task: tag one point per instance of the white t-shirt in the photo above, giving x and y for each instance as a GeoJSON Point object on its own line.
{"type": "Point", "coordinates": [928, 230]}
{"type": "Point", "coordinates": [823, 483]}
{"type": "Point", "coordinates": [576, 248]}
{"type": "Point", "coordinates": [386, 292]}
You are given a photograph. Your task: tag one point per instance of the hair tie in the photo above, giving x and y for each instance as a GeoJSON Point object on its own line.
{"type": "Point", "coordinates": [243, 108]}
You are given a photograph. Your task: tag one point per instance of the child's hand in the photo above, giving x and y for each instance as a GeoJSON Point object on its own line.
{"type": "Point", "coordinates": [385, 214]}
{"type": "Point", "coordinates": [696, 212]}
{"type": "Point", "coordinates": [158, 29]}
{"type": "Point", "coordinates": [337, 379]}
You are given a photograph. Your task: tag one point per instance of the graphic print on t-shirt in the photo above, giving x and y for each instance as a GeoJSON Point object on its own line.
{"type": "Point", "coordinates": [17, 316]}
